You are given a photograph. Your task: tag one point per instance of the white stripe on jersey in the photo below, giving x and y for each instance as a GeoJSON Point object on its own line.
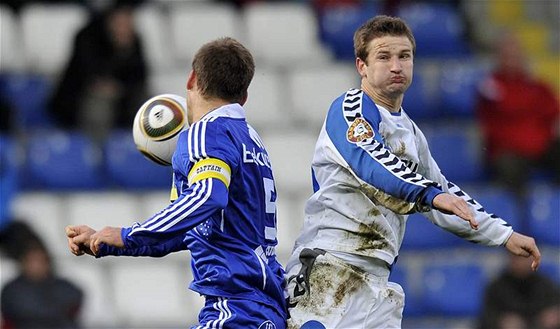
{"type": "Point", "coordinates": [221, 316]}
{"type": "Point", "coordinates": [173, 207]}
{"type": "Point", "coordinates": [225, 313]}
{"type": "Point", "coordinates": [194, 151]}
{"type": "Point", "coordinates": [200, 202]}
{"type": "Point", "coordinates": [197, 139]}
{"type": "Point", "coordinates": [261, 256]}
{"type": "Point", "coordinates": [225, 308]}
{"type": "Point", "coordinates": [203, 139]}
{"type": "Point", "coordinates": [189, 142]}
{"type": "Point", "coordinates": [176, 213]}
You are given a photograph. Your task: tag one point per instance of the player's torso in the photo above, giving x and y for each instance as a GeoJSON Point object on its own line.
{"type": "Point", "coordinates": [344, 214]}
{"type": "Point", "coordinates": [235, 248]}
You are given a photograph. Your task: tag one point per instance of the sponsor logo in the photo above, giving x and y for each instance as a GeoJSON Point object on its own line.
{"type": "Point", "coordinates": [253, 156]}
{"type": "Point", "coordinates": [359, 131]}
{"type": "Point", "coordinates": [267, 325]}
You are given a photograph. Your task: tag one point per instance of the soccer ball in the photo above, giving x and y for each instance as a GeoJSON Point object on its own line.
{"type": "Point", "coordinates": [157, 125]}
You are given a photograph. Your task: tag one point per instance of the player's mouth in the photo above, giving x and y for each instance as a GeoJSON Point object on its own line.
{"type": "Point", "coordinates": [398, 80]}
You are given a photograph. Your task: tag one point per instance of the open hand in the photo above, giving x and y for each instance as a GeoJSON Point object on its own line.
{"type": "Point", "coordinates": [453, 205]}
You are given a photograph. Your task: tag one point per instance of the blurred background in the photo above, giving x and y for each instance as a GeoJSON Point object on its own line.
{"type": "Point", "coordinates": [73, 73]}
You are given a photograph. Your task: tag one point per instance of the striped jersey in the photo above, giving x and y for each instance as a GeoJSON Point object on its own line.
{"type": "Point", "coordinates": [371, 168]}
{"type": "Point", "coordinates": [224, 214]}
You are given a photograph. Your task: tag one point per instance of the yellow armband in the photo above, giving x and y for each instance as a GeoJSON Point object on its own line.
{"type": "Point", "coordinates": [210, 168]}
{"type": "Point", "coordinates": [173, 195]}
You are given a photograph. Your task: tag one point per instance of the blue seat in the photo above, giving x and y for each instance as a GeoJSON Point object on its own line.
{"type": "Point", "coordinates": [63, 160]}
{"type": "Point", "coordinates": [500, 202]}
{"type": "Point", "coordinates": [453, 290]}
{"type": "Point", "coordinates": [459, 88]}
{"type": "Point", "coordinates": [422, 234]}
{"type": "Point", "coordinates": [438, 29]}
{"type": "Point", "coordinates": [544, 214]}
{"type": "Point", "coordinates": [127, 167]}
{"type": "Point", "coordinates": [457, 152]}
{"type": "Point", "coordinates": [337, 25]}
{"type": "Point", "coordinates": [27, 95]}
{"type": "Point", "coordinates": [9, 171]}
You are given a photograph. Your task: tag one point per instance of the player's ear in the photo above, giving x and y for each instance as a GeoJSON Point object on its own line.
{"type": "Point", "coordinates": [244, 99]}
{"type": "Point", "coordinates": [361, 67]}
{"type": "Point", "coordinates": [191, 80]}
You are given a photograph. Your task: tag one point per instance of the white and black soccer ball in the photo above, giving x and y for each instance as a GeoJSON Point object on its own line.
{"type": "Point", "coordinates": [157, 125]}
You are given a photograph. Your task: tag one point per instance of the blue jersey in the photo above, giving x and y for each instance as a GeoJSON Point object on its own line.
{"type": "Point", "coordinates": [225, 212]}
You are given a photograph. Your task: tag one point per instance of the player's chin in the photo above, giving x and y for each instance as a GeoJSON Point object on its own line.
{"type": "Point", "coordinates": [397, 88]}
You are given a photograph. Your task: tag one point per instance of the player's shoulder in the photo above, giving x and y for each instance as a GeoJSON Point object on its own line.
{"type": "Point", "coordinates": [207, 128]}
{"type": "Point", "coordinates": [351, 95]}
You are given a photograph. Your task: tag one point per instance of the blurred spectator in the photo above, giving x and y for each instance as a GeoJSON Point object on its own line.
{"type": "Point", "coordinates": [521, 299]}
{"type": "Point", "coordinates": [106, 79]}
{"type": "Point", "coordinates": [320, 5]}
{"type": "Point", "coordinates": [36, 298]}
{"type": "Point", "coordinates": [240, 4]}
{"type": "Point", "coordinates": [518, 117]}
{"type": "Point", "coordinates": [6, 116]}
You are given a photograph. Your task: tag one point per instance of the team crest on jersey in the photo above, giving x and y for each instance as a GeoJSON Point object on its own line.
{"type": "Point", "coordinates": [359, 131]}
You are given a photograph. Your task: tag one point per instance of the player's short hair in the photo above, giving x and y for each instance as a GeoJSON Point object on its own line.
{"type": "Point", "coordinates": [377, 27]}
{"type": "Point", "coordinates": [224, 70]}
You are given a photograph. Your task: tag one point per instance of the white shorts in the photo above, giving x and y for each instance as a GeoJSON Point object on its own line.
{"type": "Point", "coordinates": [325, 289]}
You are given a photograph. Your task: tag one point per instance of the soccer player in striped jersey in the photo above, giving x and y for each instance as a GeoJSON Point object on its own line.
{"type": "Point", "coordinates": [225, 212]}
{"type": "Point", "coordinates": [371, 168]}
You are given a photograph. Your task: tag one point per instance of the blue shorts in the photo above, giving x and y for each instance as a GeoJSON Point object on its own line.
{"type": "Point", "coordinates": [219, 312]}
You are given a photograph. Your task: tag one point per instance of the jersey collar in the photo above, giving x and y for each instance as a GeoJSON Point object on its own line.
{"type": "Point", "coordinates": [234, 111]}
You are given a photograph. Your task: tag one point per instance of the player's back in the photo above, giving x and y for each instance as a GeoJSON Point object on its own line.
{"type": "Point", "coordinates": [233, 251]}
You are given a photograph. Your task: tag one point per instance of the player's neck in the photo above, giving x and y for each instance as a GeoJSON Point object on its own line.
{"type": "Point", "coordinates": [204, 106]}
{"type": "Point", "coordinates": [391, 104]}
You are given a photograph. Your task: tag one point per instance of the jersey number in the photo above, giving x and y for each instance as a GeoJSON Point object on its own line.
{"type": "Point", "coordinates": [270, 208]}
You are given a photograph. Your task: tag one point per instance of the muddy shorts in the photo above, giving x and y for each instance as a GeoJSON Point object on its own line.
{"type": "Point", "coordinates": [326, 292]}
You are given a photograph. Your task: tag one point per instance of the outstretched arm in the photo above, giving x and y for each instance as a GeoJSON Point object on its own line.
{"type": "Point", "coordinates": [108, 241]}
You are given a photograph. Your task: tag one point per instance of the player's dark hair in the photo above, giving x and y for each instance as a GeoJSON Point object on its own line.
{"type": "Point", "coordinates": [224, 70]}
{"type": "Point", "coordinates": [377, 27]}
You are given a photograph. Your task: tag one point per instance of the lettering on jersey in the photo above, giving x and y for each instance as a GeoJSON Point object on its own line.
{"type": "Point", "coordinates": [251, 155]}
{"type": "Point", "coordinates": [360, 130]}
{"type": "Point", "coordinates": [210, 168]}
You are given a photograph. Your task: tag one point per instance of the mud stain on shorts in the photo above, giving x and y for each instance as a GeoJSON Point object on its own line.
{"type": "Point", "coordinates": [331, 285]}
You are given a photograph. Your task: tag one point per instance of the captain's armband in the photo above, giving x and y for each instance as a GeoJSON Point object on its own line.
{"type": "Point", "coordinates": [210, 168]}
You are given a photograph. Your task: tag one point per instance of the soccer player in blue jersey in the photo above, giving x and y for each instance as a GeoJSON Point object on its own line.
{"type": "Point", "coordinates": [371, 168]}
{"type": "Point", "coordinates": [225, 212]}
